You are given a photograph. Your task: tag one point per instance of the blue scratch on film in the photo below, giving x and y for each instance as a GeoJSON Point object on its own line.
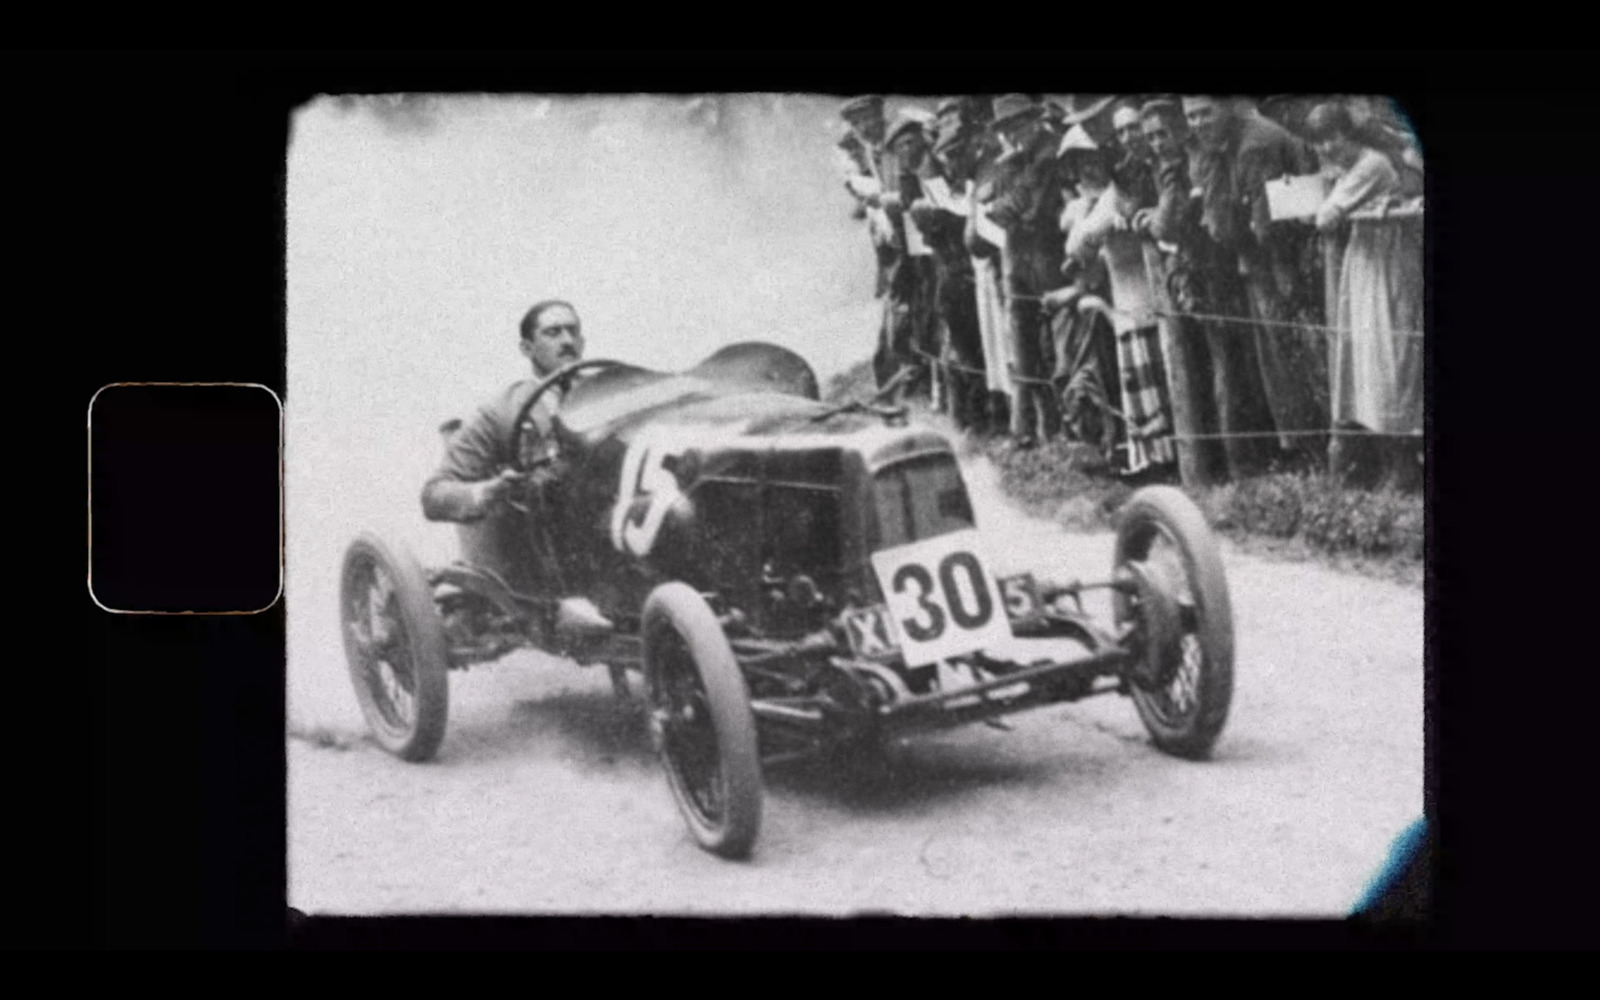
{"type": "Point", "coordinates": [1406, 846]}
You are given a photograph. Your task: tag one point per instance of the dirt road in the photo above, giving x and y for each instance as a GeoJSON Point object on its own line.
{"type": "Point", "coordinates": [545, 798]}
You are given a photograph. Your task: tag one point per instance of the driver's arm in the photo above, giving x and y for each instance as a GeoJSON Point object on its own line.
{"type": "Point", "coordinates": [473, 457]}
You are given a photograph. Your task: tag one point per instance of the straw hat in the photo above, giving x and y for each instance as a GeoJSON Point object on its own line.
{"type": "Point", "coordinates": [1082, 107]}
{"type": "Point", "coordinates": [1012, 107]}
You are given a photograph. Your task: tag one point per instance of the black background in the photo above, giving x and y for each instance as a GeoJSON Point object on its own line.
{"type": "Point", "coordinates": [185, 498]}
{"type": "Point", "coordinates": [151, 190]}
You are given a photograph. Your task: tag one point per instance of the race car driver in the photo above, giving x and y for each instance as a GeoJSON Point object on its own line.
{"type": "Point", "coordinates": [477, 476]}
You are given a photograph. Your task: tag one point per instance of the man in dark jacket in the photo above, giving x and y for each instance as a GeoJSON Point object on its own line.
{"type": "Point", "coordinates": [1027, 203]}
{"type": "Point", "coordinates": [866, 166]}
{"type": "Point", "coordinates": [909, 334]}
{"type": "Point", "coordinates": [1237, 151]}
{"type": "Point", "coordinates": [861, 154]}
{"type": "Point", "coordinates": [1197, 277]}
{"type": "Point", "coordinates": [1135, 171]}
{"type": "Point", "coordinates": [477, 478]}
{"type": "Point", "coordinates": [940, 215]}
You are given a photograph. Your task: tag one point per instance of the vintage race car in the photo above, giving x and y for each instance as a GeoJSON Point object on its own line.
{"type": "Point", "coordinates": [788, 577]}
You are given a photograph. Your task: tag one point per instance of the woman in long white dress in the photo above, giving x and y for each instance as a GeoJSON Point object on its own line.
{"type": "Point", "coordinates": [985, 240]}
{"type": "Point", "coordinates": [1378, 309]}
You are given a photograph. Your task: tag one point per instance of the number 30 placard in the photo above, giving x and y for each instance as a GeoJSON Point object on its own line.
{"type": "Point", "coordinates": [941, 598]}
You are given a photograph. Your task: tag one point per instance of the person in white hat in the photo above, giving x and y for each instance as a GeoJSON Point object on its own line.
{"type": "Point", "coordinates": [1085, 373]}
{"type": "Point", "coordinates": [1093, 112]}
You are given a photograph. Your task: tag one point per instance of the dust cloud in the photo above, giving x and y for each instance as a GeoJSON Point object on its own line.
{"type": "Point", "coordinates": [420, 230]}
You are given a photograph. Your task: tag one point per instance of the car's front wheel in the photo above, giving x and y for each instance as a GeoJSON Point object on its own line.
{"type": "Point", "coordinates": [701, 720]}
{"type": "Point", "coordinates": [1182, 617]}
{"type": "Point", "coordinates": [395, 644]}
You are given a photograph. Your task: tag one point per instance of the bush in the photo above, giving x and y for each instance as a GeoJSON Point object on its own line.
{"type": "Point", "coordinates": [1058, 479]}
{"type": "Point", "coordinates": [1325, 515]}
{"type": "Point", "coordinates": [1378, 523]}
{"type": "Point", "coordinates": [1271, 505]}
{"type": "Point", "coordinates": [1066, 481]}
{"type": "Point", "coordinates": [1410, 529]}
{"type": "Point", "coordinates": [1070, 483]}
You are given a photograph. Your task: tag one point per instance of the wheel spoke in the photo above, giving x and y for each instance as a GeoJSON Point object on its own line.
{"type": "Point", "coordinates": [379, 637]}
{"type": "Point", "coordinates": [360, 639]}
{"type": "Point", "coordinates": [1183, 692]}
{"type": "Point", "coordinates": [404, 703]}
{"type": "Point", "coordinates": [690, 741]}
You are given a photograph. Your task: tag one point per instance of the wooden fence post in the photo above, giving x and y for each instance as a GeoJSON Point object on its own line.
{"type": "Point", "coordinates": [1185, 379]}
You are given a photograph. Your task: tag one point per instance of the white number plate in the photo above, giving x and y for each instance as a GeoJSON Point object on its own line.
{"type": "Point", "coordinates": [942, 600]}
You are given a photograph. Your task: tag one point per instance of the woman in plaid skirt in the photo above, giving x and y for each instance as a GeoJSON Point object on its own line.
{"type": "Point", "coordinates": [1146, 404]}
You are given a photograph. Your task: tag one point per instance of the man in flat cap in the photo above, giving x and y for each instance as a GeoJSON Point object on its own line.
{"type": "Point", "coordinates": [909, 334]}
{"type": "Point", "coordinates": [948, 119]}
{"type": "Point", "coordinates": [984, 239]}
{"type": "Point", "coordinates": [1027, 203]}
{"type": "Point", "coordinates": [1135, 170]}
{"type": "Point", "coordinates": [861, 153]}
{"type": "Point", "coordinates": [1216, 361]}
{"type": "Point", "coordinates": [941, 216]}
{"type": "Point", "coordinates": [871, 176]}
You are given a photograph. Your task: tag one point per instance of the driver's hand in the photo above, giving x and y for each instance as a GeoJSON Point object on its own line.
{"type": "Point", "coordinates": [490, 492]}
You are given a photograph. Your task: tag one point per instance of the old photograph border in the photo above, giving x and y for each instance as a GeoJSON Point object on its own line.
{"type": "Point", "coordinates": [226, 226]}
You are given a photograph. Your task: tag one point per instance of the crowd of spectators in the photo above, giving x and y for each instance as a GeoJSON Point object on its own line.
{"type": "Point", "coordinates": [1200, 287]}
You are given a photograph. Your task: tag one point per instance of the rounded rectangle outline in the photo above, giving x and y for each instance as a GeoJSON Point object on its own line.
{"type": "Point", "coordinates": [90, 496]}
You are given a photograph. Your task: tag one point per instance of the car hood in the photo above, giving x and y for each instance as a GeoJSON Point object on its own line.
{"type": "Point", "coordinates": [750, 395]}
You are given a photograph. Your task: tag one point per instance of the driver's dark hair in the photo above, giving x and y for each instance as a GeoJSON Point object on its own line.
{"type": "Point", "coordinates": [531, 321]}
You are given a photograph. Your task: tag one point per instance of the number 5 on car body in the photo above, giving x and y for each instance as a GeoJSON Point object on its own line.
{"type": "Point", "coordinates": [644, 478]}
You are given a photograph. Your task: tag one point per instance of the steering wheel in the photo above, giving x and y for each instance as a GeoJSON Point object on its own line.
{"type": "Point", "coordinates": [562, 377]}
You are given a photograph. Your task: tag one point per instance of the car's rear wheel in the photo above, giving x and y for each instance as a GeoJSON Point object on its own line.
{"type": "Point", "coordinates": [701, 720]}
{"type": "Point", "coordinates": [1183, 619]}
{"type": "Point", "coordinates": [395, 644]}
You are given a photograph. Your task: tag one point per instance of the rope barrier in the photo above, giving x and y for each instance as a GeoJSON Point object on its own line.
{"type": "Point", "coordinates": [1236, 321]}
{"type": "Point", "coordinates": [1236, 435]}
{"type": "Point", "coordinates": [1331, 432]}
{"type": "Point", "coordinates": [1239, 320]}
{"type": "Point", "coordinates": [1029, 380]}
{"type": "Point", "coordinates": [1240, 324]}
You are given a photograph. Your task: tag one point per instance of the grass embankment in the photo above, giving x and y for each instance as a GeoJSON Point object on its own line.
{"type": "Point", "coordinates": [1293, 515]}
{"type": "Point", "coordinates": [1290, 515]}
